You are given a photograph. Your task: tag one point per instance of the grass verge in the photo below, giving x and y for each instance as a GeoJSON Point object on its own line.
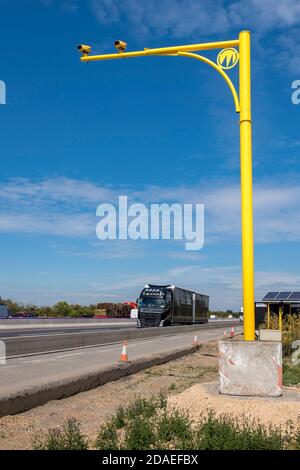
{"type": "Point", "coordinates": [291, 374]}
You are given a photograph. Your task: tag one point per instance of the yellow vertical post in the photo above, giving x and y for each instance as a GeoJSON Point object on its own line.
{"type": "Point", "coordinates": [268, 316]}
{"type": "Point", "coordinates": [246, 186]}
{"type": "Point", "coordinates": [280, 318]}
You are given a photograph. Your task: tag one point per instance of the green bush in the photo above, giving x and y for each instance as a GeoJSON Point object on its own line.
{"type": "Point", "coordinates": [139, 434]}
{"type": "Point", "coordinates": [119, 419]}
{"type": "Point", "coordinates": [296, 445]}
{"type": "Point", "coordinates": [174, 428]}
{"type": "Point", "coordinates": [291, 375]}
{"type": "Point", "coordinates": [141, 407]}
{"type": "Point", "coordinates": [149, 424]}
{"type": "Point", "coordinates": [172, 386]}
{"type": "Point", "coordinates": [228, 432]}
{"type": "Point", "coordinates": [107, 438]}
{"type": "Point", "coordinates": [68, 437]}
{"type": "Point", "coordinates": [290, 330]}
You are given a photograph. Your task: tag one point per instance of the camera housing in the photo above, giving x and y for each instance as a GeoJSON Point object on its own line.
{"type": "Point", "coordinates": [120, 46]}
{"type": "Point", "coordinates": [84, 48]}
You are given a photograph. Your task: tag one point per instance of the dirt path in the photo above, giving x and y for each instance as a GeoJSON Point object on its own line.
{"type": "Point", "coordinates": [93, 407]}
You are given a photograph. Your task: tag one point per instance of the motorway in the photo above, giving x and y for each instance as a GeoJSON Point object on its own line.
{"type": "Point", "coordinates": [29, 330]}
{"type": "Point", "coordinates": [25, 372]}
{"type": "Point", "coordinates": [57, 327]}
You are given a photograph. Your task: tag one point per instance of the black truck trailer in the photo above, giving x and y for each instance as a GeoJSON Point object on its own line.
{"type": "Point", "coordinates": [169, 305]}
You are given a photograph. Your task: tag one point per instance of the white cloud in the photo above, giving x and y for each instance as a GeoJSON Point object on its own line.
{"type": "Point", "coordinates": [277, 216]}
{"type": "Point", "coordinates": [62, 206]}
{"type": "Point", "coordinates": [289, 45]}
{"type": "Point", "coordinates": [265, 15]}
{"type": "Point", "coordinates": [66, 207]}
{"type": "Point", "coordinates": [222, 283]}
{"type": "Point", "coordinates": [47, 223]}
{"type": "Point", "coordinates": [193, 17]}
{"type": "Point", "coordinates": [196, 19]}
{"type": "Point", "coordinates": [54, 189]}
{"type": "Point", "coordinates": [141, 20]}
{"type": "Point", "coordinates": [172, 17]}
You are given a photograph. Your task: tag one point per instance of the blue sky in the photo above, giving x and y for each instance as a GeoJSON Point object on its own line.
{"type": "Point", "coordinates": [75, 135]}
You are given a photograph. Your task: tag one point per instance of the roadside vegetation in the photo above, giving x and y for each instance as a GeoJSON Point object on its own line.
{"type": "Point", "coordinates": [290, 331]}
{"type": "Point", "coordinates": [68, 437]}
{"type": "Point", "coordinates": [291, 352]}
{"type": "Point", "coordinates": [291, 374]}
{"type": "Point", "coordinates": [65, 310]}
{"type": "Point", "coordinates": [151, 424]}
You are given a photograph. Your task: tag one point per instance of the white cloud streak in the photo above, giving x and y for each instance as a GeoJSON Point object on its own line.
{"type": "Point", "coordinates": [221, 283]}
{"type": "Point", "coordinates": [192, 17]}
{"type": "Point", "coordinates": [66, 207]}
{"type": "Point", "coordinates": [196, 19]}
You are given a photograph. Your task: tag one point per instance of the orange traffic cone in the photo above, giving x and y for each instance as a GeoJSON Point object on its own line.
{"type": "Point", "coordinates": [195, 341]}
{"type": "Point", "coordinates": [124, 356]}
{"type": "Point", "coordinates": [232, 332]}
{"type": "Point", "coordinates": [225, 334]}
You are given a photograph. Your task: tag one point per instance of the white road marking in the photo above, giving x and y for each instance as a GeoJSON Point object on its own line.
{"type": "Point", "coordinates": [55, 358]}
{"type": "Point", "coordinates": [107, 350]}
{"type": "Point", "coordinates": [69, 355]}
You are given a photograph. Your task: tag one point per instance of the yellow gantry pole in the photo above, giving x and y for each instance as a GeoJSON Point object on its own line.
{"type": "Point", "coordinates": [242, 105]}
{"type": "Point", "coordinates": [280, 318]}
{"type": "Point", "coordinates": [246, 186]}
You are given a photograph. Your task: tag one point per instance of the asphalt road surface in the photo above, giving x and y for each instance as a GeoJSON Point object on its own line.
{"type": "Point", "coordinates": [8, 331]}
{"type": "Point", "coordinates": [56, 328]}
{"type": "Point", "coordinates": [59, 331]}
{"type": "Point", "coordinates": [23, 372]}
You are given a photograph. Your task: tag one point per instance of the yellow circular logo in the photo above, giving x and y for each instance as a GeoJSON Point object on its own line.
{"type": "Point", "coordinates": [228, 58]}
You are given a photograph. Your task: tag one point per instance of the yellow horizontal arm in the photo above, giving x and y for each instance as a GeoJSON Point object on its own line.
{"type": "Point", "coordinates": [163, 50]}
{"type": "Point", "coordinates": [176, 51]}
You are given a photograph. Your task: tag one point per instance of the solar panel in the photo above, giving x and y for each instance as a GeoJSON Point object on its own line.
{"type": "Point", "coordinates": [283, 295]}
{"type": "Point", "coordinates": [295, 296]}
{"type": "Point", "coordinates": [270, 296]}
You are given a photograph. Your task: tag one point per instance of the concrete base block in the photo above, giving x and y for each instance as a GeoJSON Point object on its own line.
{"type": "Point", "coordinates": [270, 335]}
{"type": "Point", "coordinates": [250, 368]}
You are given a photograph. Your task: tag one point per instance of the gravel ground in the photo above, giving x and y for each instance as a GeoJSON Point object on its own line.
{"type": "Point", "coordinates": [203, 396]}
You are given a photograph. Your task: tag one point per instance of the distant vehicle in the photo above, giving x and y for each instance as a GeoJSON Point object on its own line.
{"type": "Point", "coordinates": [23, 315]}
{"type": "Point", "coordinates": [4, 311]}
{"type": "Point", "coordinates": [111, 310]}
{"type": "Point", "coordinates": [130, 304]}
{"type": "Point", "coordinates": [169, 305]}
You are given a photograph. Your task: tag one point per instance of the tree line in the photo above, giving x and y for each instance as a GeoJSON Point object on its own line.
{"type": "Point", "coordinates": [64, 309]}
